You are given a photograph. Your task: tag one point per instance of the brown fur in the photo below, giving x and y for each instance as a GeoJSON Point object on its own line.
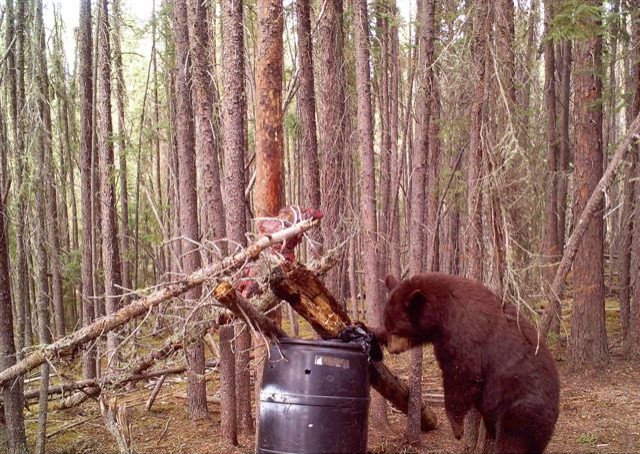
{"type": "Point", "coordinates": [490, 355]}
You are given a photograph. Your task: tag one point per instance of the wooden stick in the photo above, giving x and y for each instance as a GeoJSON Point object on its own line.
{"type": "Point", "coordinates": [154, 393]}
{"type": "Point", "coordinates": [70, 343]}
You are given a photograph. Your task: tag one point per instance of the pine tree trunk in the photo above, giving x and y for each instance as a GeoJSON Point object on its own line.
{"type": "Point", "coordinates": [228, 421]}
{"type": "Point", "coordinates": [330, 90]}
{"type": "Point", "coordinates": [109, 227]}
{"type": "Point", "coordinates": [125, 264]}
{"type": "Point", "coordinates": [307, 109]}
{"type": "Point", "coordinates": [474, 235]}
{"type": "Point", "coordinates": [12, 393]}
{"type": "Point", "coordinates": [86, 132]}
{"type": "Point", "coordinates": [551, 246]}
{"type": "Point", "coordinates": [588, 339]}
{"type": "Point", "coordinates": [233, 115]}
{"type": "Point", "coordinates": [188, 210]}
{"type": "Point", "coordinates": [207, 146]}
{"type": "Point", "coordinates": [368, 185]}
{"type": "Point", "coordinates": [628, 235]}
{"type": "Point", "coordinates": [632, 341]}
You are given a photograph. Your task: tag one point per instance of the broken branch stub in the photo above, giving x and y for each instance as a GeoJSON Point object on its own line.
{"type": "Point", "coordinates": [308, 296]}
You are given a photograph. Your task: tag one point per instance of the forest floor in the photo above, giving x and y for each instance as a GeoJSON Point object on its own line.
{"type": "Point", "coordinates": [599, 414]}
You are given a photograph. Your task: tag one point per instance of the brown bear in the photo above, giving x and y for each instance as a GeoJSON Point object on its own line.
{"type": "Point", "coordinates": [491, 357]}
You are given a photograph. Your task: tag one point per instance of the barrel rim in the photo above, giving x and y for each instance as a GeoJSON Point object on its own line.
{"type": "Point", "coordinates": [325, 343]}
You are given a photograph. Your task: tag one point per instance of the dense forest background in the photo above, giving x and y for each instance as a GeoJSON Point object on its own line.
{"type": "Point", "coordinates": [142, 141]}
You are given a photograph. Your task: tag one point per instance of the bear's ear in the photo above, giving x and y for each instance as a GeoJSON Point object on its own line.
{"type": "Point", "coordinates": [415, 301]}
{"type": "Point", "coordinates": [391, 282]}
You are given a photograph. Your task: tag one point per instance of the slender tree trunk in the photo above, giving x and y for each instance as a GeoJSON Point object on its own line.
{"type": "Point", "coordinates": [588, 339]}
{"type": "Point", "coordinates": [109, 227]}
{"type": "Point", "coordinates": [86, 132]}
{"type": "Point", "coordinates": [417, 249]}
{"type": "Point", "coordinates": [269, 190]}
{"type": "Point", "coordinates": [368, 184]}
{"type": "Point", "coordinates": [11, 45]}
{"type": "Point", "coordinates": [233, 115]}
{"type": "Point", "coordinates": [628, 235]}
{"type": "Point", "coordinates": [228, 422]}
{"type": "Point", "coordinates": [563, 164]}
{"type": "Point", "coordinates": [307, 109]}
{"type": "Point", "coordinates": [12, 392]}
{"type": "Point", "coordinates": [330, 92]}
{"type": "Point", "coordinates": [243, 378]}
{"type": "Point", "coordinates": [632, 341]}
{"type": "Point", "coordinates": [207, 146]}
{"type": "Point", "coordinates": [50, 204]}
{"type": "Point", "coordinates": [188, 211]}
{"type": "Point", "coordinates": [551, 246]}
{"type": "Point", "coordinates": [474, 234]}
{"type": "Point", "coordinates": [125, 264]}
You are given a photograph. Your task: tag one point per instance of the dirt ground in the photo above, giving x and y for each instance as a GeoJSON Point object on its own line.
{"type": "Point", "coordinates": [600, 413]}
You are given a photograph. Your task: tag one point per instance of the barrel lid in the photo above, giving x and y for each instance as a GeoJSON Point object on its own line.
{"type": "Point", "coordinates": [331, 343]}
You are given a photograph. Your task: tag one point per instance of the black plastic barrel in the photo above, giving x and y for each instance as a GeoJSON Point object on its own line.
{"type": "Point", "coordinates": [314, 398]}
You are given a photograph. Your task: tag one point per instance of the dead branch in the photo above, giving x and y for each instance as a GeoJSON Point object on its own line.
{"type": "Point", "coordinates": [70, 343]}
{"type": "Point", "coordinates": [109, 382]}
{"type": "Point", "coordinates": [226, 294]}
{"type": "Point", "coordinates": [308, 296]}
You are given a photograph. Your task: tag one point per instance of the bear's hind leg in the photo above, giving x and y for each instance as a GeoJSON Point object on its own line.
{"type": "Point", "coordinates": [517, 434]}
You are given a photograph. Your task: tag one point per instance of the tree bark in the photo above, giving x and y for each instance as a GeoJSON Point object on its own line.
{"type": "Point", "coordinates": [207, 144]}
{"type": "Point", "coordinates": [233, 115]}
{"type": "Point", "coordinates": [307, 109]}
{"type": "Point", "coordinates": [628, 229]}
{"type": "Point", "coordinates": [228, 421]}
{"type": "Point", "coordinates": [269, 188]}
{"type": "Point", "coordinates": [109, 227]}
{"type": "Point", "coordinates": [16, 442]}
{"type": "Point", "coordinates": [588, 339]}
{"type": "Point", "coordinates": [188, 211]}
{"type": "Point", "coordinates": [330, 86]}
{"type": "Point", "coordinates": [632, 341]}
{"type": "Point", "coordinates": [474, 242]}
{"type": "Point", "coordinates": [368, 184]}
{"type": "Point", "coordinates": [86, 132]}
{"type": "Point", "coordinates": [551, 246]}
{"type": "Point", "coordinates": [124, 264]}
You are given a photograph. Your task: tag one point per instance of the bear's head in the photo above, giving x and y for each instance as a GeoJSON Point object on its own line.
{"type": "Point", "coordinates": [410, 318]}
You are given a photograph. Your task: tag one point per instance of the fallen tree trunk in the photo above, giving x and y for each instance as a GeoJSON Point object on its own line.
{"type": "Point", "coordinates": [580, 228]}
{"type": "Point", "coordinates": [69, 344]}
{"type": "Point", "coordinates": [310, 298]}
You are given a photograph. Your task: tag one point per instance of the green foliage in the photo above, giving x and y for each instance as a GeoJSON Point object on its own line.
{"type": "Point", "coordinates": [577, 20]}
{"type": "Point", "coordinates": [588, 439]}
